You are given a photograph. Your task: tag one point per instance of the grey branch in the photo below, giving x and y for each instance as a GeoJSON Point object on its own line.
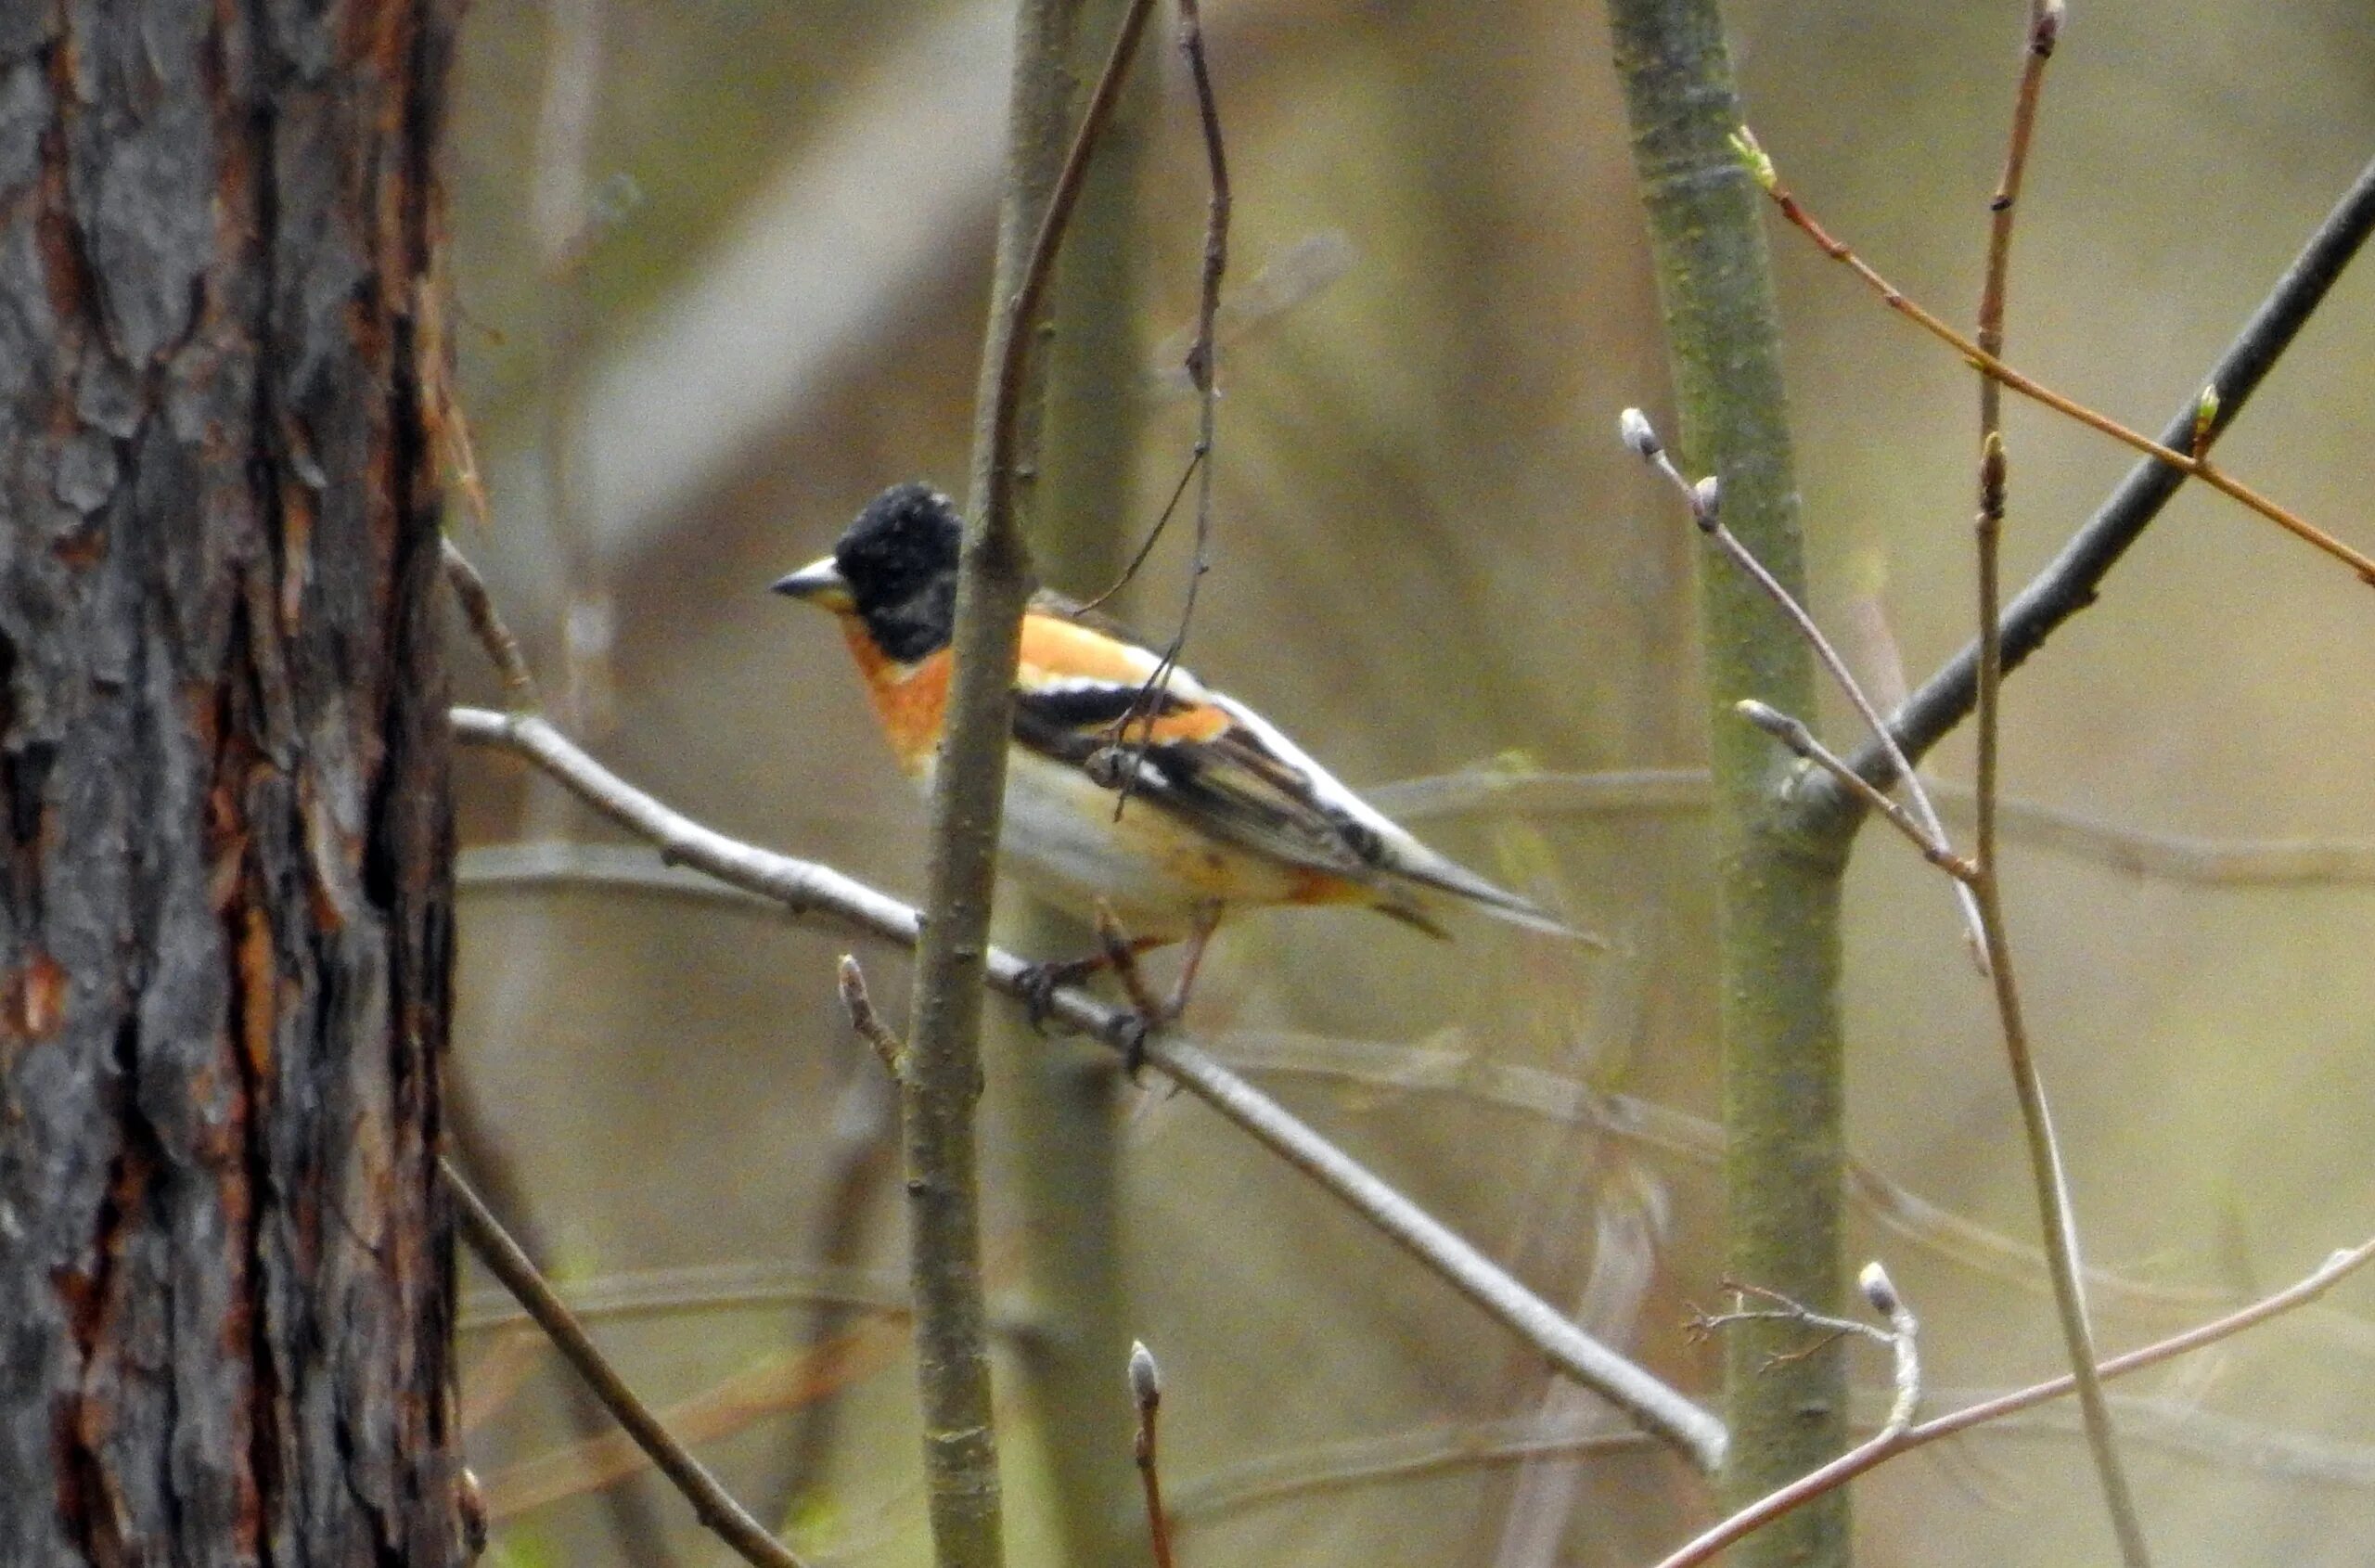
{"type": "Point", "coordinates": [817, 891]}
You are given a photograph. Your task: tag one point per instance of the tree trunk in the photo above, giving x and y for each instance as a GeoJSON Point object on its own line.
{"type": "Point", "coordinates": [225, 909]}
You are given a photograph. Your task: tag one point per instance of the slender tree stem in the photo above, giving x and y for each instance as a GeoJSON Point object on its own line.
{"type": "Point", "coordinates": [941, 1082]}
{"type": "Point", "coordinates": [1056, 1103]}
{"type": "Point", "coordinates": [1778, 892]}
{"type": "Point", "coordinates": [2047, 1171]}
{"type": "Point", "coordinates": [710, 1501]}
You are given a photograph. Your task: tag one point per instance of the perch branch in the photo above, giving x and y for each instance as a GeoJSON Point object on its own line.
{"type": "Point", "coordinates": [809, 890]}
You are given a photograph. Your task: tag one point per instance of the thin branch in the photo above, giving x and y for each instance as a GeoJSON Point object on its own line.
{"type": "Point", "coordinates": [1868, 1456]}
{"type": "Point", "coordinates": [665, 1293]}
{"type": "Point", "coordinates": [542, 864]}
{"type": "Point", "coordinates": [1204, 370]}
{"type": "Point", "coordinates": [813, 891]}
{"type": "Point", "coordinates": [1705, 504]}
{"type": "Point", "coordinates": [1800, 740]}
{"type": "Point", "coordinates": [710, 1502]}
{"type": "Point", "coordinates": [1395, 1458]}
{"type": "Point", "coordinates": [1903, 1337]}
{"type": "Point", "coordinates": [2142, 852]}
{"type": "Point", "coordinates": [1441, 1069]}
{"type": "Point", "coordinates": [1989, 366]}
{"type": "Point", "coordinates": [478, 1148]}
{"type": "Point", "coordinates": [866, 1022]}
{"type": "Point", "coordinates": [1039, 265]}
{"type": "Point", "coordinates": [2069, 583]}
{"type": "Point", "coordinates": [1146, 1394]}
{"type": "Point", "coordinates": [1146, 546]}
{"type": "Point", "coordinates": [486, 624]}
{"type": "Point", "coordinates": [2057, 1215]}
{"type": "Point", "coordinates": [769, 1388]}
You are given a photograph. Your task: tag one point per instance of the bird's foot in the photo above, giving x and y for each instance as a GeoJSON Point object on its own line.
{"type": "Point", "coordinates": [1040, 982]}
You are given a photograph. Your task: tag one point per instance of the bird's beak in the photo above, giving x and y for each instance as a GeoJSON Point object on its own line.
{"type": "Point", "coordinates": [821, 584]}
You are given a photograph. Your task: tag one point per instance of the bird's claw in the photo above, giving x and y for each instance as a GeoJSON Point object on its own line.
{"type": "Point", "coordinates": [1039, 983]}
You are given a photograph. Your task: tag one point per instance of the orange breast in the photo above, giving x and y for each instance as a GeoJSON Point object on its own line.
{"type": "Point", "coordinates": [909, 699]}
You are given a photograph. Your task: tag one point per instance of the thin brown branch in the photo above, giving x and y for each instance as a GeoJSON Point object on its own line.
{"type": "Point", "coordinates": [2045, 31]}
{"type": "Point", "coordinates": [1989, 366]}
{"type": "Point", "coordinates": [809, 890]}
{"type": "Point", "coordinates": [1038, 271]}
{"type": "Point", "coordinates": [712, 1505]}
{"type": "Point", "coordinates": [486, 624]}
{"type": "Point", "coordinates": [1204, 370]}
{"type": "Point", "coordinates": [1868, 1456]}
{"type": "Point", "coordinates": [2058, 1215]}
{"type": "Point", "coordinates": [2072, 581]}
{"type": "Point", "coordinates": [1146, 1394]}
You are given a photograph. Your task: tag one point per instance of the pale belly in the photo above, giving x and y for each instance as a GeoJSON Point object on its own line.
{"type": "Point", "coordinates": [1061, 841]}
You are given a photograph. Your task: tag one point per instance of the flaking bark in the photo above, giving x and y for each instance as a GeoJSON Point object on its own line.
{"type": "Point", "coordinates": [225, 907]}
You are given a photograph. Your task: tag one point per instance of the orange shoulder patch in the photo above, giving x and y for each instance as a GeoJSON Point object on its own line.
{"type": "Point", "coordinates": [1054, 648]}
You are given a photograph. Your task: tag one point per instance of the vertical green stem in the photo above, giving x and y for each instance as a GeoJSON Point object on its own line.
{"type": "Point", "coordinates": [1059, 1095]}
{"type": "Point", "coordinates": [1783, 1084]}
{"type": "Point", "coordinates": [943, 1078]}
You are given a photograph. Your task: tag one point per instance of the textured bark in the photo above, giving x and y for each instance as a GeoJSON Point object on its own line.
{"type": "Point", "coordinates": [226, 906]}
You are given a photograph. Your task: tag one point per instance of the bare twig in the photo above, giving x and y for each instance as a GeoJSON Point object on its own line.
{"type": "Point", "coordinates": [703, 1289]}
{"type": "Point", "coordinates": [1396, 1457]}
{"type": "Point", "coordinates": [768, 1388]}
{"type": "Point", "coordinates": [1868, 1456]}
{"type": "Point", "coordinates": [486, 624]}
{"type": "Point", "coordinates": [710, 1503]}
{"type": "Point", "coordinates": [1203, 369]}
{"type": "Point", "coordinates": [2069, 583]}
{"type": "Point", "coordinates": [810, 890]}
{"type": "Point", "coordinates": [1988, 364]}
{"type": "Point", "coordinates": [1705, 503]}
{"type": "Point", "coordinates": [2142, 852]}
{"type": "Point", "coordinates": [2058, 1215]}
{"type": "Point", "coordinates": [866, 1022]}
{"type": "Point", "coordinates": [478, 1148]}
{"type": "Point", "coordinates": [1449, 1068]}
{"type": "Point", "coordinates": [1146, 1393]}
{"type": "Point", "coordinates": [1902, 1337]}
{"type": "Point", "coordinates": [1794, 735]}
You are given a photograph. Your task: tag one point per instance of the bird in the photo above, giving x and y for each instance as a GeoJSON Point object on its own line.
{"type": "Point", "coordinates": [1135, 793]}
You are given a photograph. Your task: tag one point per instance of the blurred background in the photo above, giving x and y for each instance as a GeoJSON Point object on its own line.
{"type": "Point", "coordinates": [721, 271]}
